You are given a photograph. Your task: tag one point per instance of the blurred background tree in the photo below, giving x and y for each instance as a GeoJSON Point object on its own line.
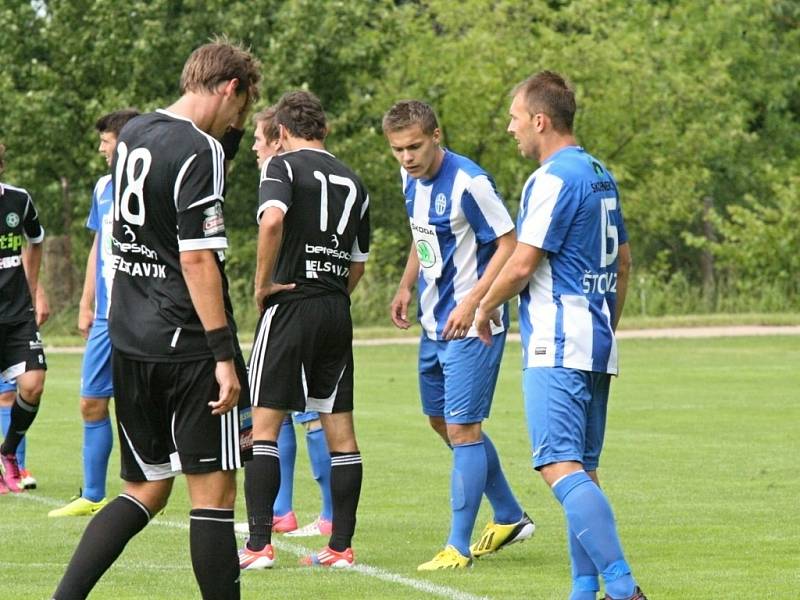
{"type": "Point", "coordinates": [695, 107]}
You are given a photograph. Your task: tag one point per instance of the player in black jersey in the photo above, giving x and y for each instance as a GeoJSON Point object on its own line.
{"type": "Point", "coordinates": [178, 370]}
{"type": "Point", "coordinates": [21, 353]}
{"type": "Point", "coordinates": [313, 242]}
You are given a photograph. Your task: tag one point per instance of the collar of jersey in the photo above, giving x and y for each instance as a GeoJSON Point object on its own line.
{"type": "Point", "coordinates": [320, 150]}
{"type": "Point", "coordinates": [439, 172]}
{"type": "Point", "coordinates": [564, 149]}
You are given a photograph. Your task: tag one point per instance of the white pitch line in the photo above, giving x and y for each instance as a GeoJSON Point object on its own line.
{"type": "Point", "coordinates": [297, 550]}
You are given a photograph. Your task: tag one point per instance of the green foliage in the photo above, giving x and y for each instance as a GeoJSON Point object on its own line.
{"type": "Point", "coordinates": [695, 107]}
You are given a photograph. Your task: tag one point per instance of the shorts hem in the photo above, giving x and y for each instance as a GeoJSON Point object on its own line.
{"type": "Point", "coordinates": [95, 395]}
{"type": "Point", "coordinates": [540, 462]}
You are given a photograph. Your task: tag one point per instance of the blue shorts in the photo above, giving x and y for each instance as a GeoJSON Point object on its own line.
{"type": "Point", "coordinates": [6, 386]}
{"type": "Point", "coordinates": [305, 417]}
{"type": "Point", "coordinates": [457, 378]}
{"type": "Point", "coordinates": [566, 412]}
{"type": "Point", "coordinates": [96, 374]}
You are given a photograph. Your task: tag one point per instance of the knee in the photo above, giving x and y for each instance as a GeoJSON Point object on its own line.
{"type": "Point", "coordinates": [31, 390]}
{"type": "Point", "coordinates": [439, 426]}
{"type": "Point", "coordinates": [94, 409]}
{"type": "Point", "coordinates": [463, 434]}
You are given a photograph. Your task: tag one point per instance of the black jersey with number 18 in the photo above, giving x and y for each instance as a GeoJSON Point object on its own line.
{"type": "Point", "coordinates": [326, 226]}
{"type": "Point", "coordinates": [168, 192]}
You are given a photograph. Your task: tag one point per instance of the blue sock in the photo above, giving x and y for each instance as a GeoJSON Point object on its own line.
{"type": "Point", "coordinates": [467, 483]}
{"type": "Point", "coordinates": [320, 460]}
{"type": "Point", "coordinates": [590, 518]}
{"type": "Point", "coordinates": [584, 574]}
{"type": "Point", "coordinates": [505, 506]}
{"type": "Point", "coordinates": [5, 421]}
{"type": "Point", "coordinates": [97, 442]}
{"type": "Point", "coordinates": [287, 450]}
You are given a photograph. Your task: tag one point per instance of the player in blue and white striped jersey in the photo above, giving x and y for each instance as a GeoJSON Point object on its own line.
{"type": "Point", "coordinates": [571, 268]}
{"type": "Point", "coordinates": [462, 236]}
{"type": "Point", "coordinates": [96, 378]}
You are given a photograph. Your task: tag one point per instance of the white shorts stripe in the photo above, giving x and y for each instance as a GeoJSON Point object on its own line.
{"type": "Point", "coordinates": [258, 353]}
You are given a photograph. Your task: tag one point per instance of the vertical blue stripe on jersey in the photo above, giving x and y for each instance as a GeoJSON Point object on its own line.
{"type": "Point", "coordinates": [447, 244]}
{"type": "Point", "coordinates": [601, 338]}
{"type": "Point", "coordinates": [525, 327]}
{"type": "Point", "coordinates": [559, 332]}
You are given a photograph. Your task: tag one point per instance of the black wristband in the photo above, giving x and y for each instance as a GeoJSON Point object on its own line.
{"type": "Point", "coordinates": [220, 341]}
{"type": "Point", "coordinates": [230, 142]}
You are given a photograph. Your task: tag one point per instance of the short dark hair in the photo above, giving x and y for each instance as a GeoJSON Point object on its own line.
{"type": "Point", "coordinates": [406, 113]}
{"type": "Point", "coordinates": [218, 61]}
{"type": "Point", "coordinates": [113, 122]}
{"type": "Point", "coordinates": [301, 113]}
{"type": "Point", "coordinates": [267, 117]}
{"type": "Point", "coordinates": [549, 93]}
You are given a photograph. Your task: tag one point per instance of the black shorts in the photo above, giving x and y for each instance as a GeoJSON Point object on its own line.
{"type": "Point", "coordinates": [302, 356]}
{"type": "Point", "coordinates": [165, 425]}
{"type": "Point", "coordinates": [21, 348]}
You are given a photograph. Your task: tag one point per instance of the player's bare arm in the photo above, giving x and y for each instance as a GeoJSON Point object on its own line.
{"type": "Point", "coordinates": [86, 305]}
{"type": "Point", "coordinates": [356, 273]}
{"type": "Point", "coordinates": [42, 306]}
{"type": "Point", "coordinates": [624, 266]}
{"type": "Point", "coordinates": [31, 262]}
{"type": "Point", "coordinates": [203, 280]}
{"type": "Point", "coordinates": [463, 315]}
{"type": "Point", "coordinates": [402, 298]}
{"type": "Point", "coordinates": [510, 282]}
{"type": "Point", "coordinates": [270, 234]}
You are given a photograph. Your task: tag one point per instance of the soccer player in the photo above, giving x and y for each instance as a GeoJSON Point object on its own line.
{"type": "Point", "coordinates": [266, 145]}
{"type": "Point", "coordinates": [570, 267]}
{"type": "Point", "coordinates": [177, 367]}
{"type": "Point", "coordinates": [21, 353]}
{"type": "Point", "coordinates": [462, 236]}
{"type": "Point", "coordinates": [96, 381]}
{"type": "Point", "coordinates": [8, 396]}
{"type": "Point", "coordinates": [312, 246]}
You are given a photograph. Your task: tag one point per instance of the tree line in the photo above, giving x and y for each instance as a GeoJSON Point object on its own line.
{"type": "Point", "coordinates": [695, 108]}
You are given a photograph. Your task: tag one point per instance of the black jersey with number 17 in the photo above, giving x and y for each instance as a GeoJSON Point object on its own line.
{"type": "Point", "coordinates": [326, 223]}
{"type": "Point", "coordinates": [168, 192]}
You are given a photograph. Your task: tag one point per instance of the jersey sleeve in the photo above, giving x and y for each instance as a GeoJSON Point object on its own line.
{"type": "Point", "coordinates": [93, 222]}
{"type": "Point", "coordinates": [549, 212]}
{"type": "Point", "coordinates": [485, 211]}
{"type": "Point", "coordinates": [30, 224]}
{"type": "Point", "coordinates": [275, 187]}
{"type": "Point", "coordinates": [198, 200]}
{"type": "Point", "coordinates": [360, 250]}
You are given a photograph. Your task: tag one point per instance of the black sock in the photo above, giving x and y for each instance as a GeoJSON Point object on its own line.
{"type": "Point", "coordinates": [22, 415]}
{"type": "Point", "coordinates": [262, 478]}
{"type": "Point", "coordinates": [214, 557]}
{"type": "Point", "coordinates": [103, 541]}
{"type": "Point", "coordinates": [346, 474]}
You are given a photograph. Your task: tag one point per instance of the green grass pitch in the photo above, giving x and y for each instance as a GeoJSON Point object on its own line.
{"type": "Point", "coordinates": [699, 465]}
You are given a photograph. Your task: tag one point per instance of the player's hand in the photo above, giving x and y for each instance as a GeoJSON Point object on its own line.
{"type": "Point", "coordinates": [229, 388]}
{"type": "Point", "coordinates": [482, 319]}
{"type": "Point", "coordinates": [261, 294]}
{"type": "Point", "coordinates": [85, 320]}
{"type": "Point", "coordinates": [399, 308]}
{"type": "Point", "coordinates": [460, 320]}
{"type": "Point", "coordinates": [42, 307]}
